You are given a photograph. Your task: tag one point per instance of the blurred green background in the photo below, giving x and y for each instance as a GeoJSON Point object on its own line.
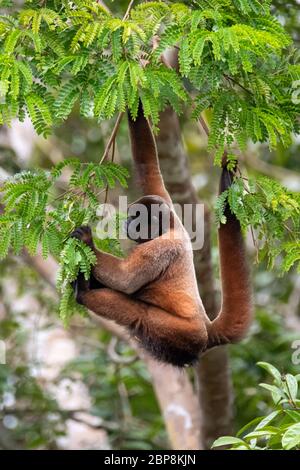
{"type": "Point", "coordinates": [79, 387]}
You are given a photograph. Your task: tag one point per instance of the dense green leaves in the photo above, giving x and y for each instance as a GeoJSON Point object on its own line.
{"type": "Point", "coordinates": [230, 53]}
{"type": "Point", "coordinates": [36, 220]}
{"type": "Point", "coordinates": [278, 430]}
{"type": "Point", "coordinates": [273, 212]}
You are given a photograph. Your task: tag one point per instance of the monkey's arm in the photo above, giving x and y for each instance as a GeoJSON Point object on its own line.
{"type": "Point", "coordinates": [236, 310]}
{"type": "Point", "coordinates": [144, 152]}
{"type": "Point", "coordinates": [143, 265]}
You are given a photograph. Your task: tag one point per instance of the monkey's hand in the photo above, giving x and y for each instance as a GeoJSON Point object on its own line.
{"type": "Point", "coordinates": [80, 286]}
{"type": "Point", "coordinates": [84, 234]}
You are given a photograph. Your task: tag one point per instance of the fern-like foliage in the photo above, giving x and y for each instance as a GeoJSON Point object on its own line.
{"type": "Point", "coordinates": [273, 212]}
{"type": "Point", "coordinates": [35, 220]}
{"type": "Point", "coordinates": [232, 53]}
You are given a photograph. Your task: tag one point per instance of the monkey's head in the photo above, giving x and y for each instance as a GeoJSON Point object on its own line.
{"type": "Point", "coordinates": [148, 218]}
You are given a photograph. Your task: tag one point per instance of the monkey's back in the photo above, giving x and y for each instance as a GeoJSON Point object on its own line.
{"type": "Point", "coordinates": [173, 329]}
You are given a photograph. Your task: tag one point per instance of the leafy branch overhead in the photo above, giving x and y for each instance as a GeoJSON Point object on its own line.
{"type": "Point", "coordinates": [232, 56]}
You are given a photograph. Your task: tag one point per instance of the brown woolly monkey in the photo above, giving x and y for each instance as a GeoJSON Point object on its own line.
{"type": "Point", "coordinates": [153, 292]}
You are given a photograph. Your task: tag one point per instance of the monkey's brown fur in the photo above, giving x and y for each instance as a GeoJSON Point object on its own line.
{"type": "Point", "coordinates": [153, 292]}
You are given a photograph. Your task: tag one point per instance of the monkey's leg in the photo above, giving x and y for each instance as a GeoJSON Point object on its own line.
{"type": "Point", "coordinates": [114, 305]}
{"type": "Point", "coordinates": [163, 334]}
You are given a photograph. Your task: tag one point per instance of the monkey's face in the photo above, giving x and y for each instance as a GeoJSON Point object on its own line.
{"type": "Point", "coordinates": [148, 218]}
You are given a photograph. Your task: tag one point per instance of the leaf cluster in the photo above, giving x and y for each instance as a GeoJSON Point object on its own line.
{"type": "Point", "coordinates": [278, 430]}
{"type": "Point", "coordinates": [233, 60]}
{"type": "Point", "coordinates": [273, 213]}
{"type": "Point", "coordinates": [38, 220]}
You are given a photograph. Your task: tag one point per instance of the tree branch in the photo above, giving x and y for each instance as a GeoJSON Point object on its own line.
{"type": "Point", "coordinates": [112, 138]}
{"type": "Point", "coordinates": [128, 10]}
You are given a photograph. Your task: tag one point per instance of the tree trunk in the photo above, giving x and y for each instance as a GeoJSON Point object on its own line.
{"type": "Point", "coordinates": [178, 404]}
{"type": "Point", "coordinates": [213, 375]}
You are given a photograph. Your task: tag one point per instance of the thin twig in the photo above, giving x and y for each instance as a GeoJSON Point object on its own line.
{"type": "Point", "coordinates": [238, 84]}
{"type": "Point", "coordinates": [104, 6]}
{"type": "Point", "coordinates": [203, 125]}
{"type": "Point", "coordinates": [255, 244]}
{"type": "Point", "coordinates": [117, 358]}
{"type": "Point", "coordinates": [113, 150]}
{"type": "Point", "coordinates": [128, 10]}
{"type": "Point", "coordinates": [112, 137]}
{"type": "Point", "coordinates": [112, 159]}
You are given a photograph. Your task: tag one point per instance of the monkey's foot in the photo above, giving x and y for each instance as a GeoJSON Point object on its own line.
{"type": "Point", "coordinates": [84, 234]}
{"type": "Point", "coordinates": [80, 287]}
